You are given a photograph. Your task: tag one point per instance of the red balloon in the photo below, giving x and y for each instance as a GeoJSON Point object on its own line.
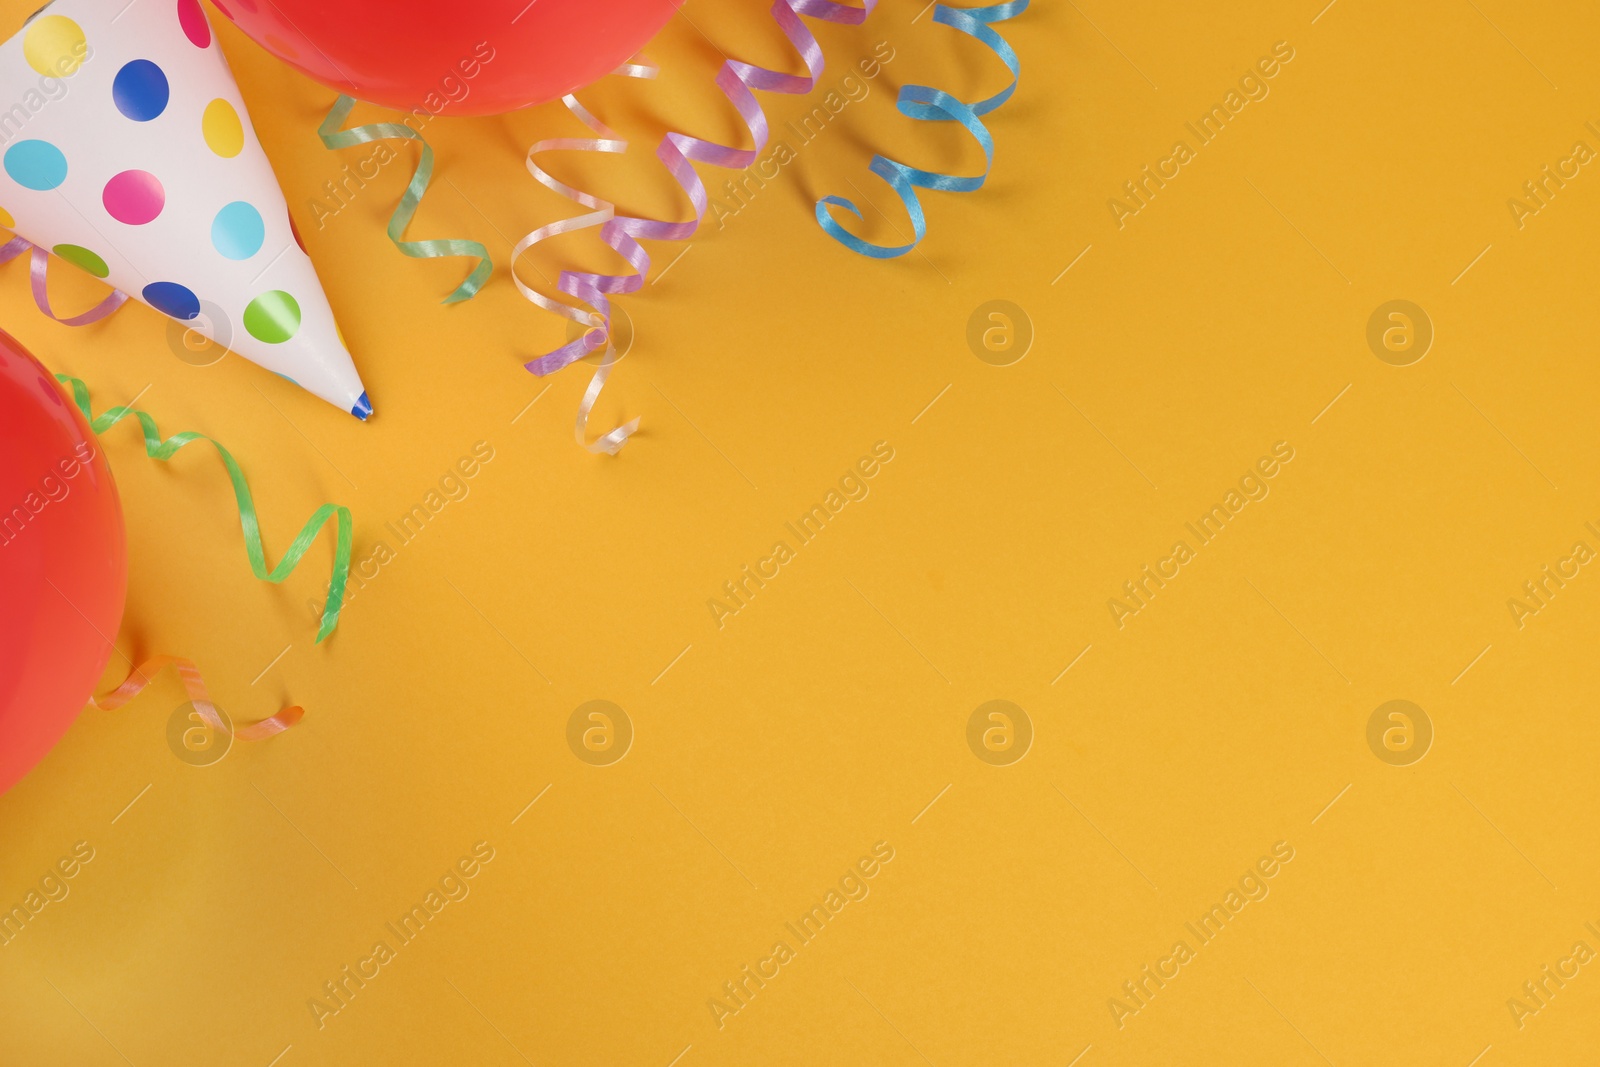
{"type": "Point", "coordinates": [63, 562]}
{"type": "Point", "coordinates": [468, 57]}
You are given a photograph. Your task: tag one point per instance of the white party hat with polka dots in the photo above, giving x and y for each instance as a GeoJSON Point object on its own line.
{"type": "Point", "coordinates": [126, 150]}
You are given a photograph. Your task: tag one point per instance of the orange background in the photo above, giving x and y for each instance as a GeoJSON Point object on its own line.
{"type": "Point", "coordinates": [831, 713]}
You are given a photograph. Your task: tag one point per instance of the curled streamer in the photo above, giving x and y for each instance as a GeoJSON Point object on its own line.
{"type": "Point", "coordinates": [156, 448]}
{"type": "Point", "coordinates": [604, 211]}
{"type": "Point", "coordinates": [933, 105]}
{"type": "Point", "coordinates": [195, 687]}
{"type": "Point", "coordinates": [39, 264]}
{"type": "Point", "coordinates": [333, 137]}
{"type": "Point", "coordinates": [677, 151]}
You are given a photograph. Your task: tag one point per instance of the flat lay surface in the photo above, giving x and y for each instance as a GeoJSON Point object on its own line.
{"type": "Point", "coordinates": [1149, 623]}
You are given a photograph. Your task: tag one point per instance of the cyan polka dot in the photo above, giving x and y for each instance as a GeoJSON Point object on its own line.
{"type": "Point", "coordinates": [173, 299]}
{"type": "Point", "coordinates": [36, 165]}
{"type": "Point", "coordinates": [237, 231]}
{"type": "Point", "coordinates": [140, 90]}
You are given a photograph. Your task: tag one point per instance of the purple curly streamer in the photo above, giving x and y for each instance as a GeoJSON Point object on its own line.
{"type": "Point", "coordinates": [38, 266]}
{"type": "Point", "coordinates": [677, 151]}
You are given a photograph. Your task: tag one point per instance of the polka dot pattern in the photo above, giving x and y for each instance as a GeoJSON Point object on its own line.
{"type": "Point", "coordinates": [273, 317]}
{"type": "Point", "coordinates": [80, 256]}
{"type": "Point", "coordinates": [238, 231]}
{"type": "Point", "coordinates": [54, 46]}
{"type": "Point", "coordinates": [193, 21]}
{"type": "Point", "coordinates": [223, 131]}
{"type": "Point", "coordinates": [173, 299]}
{"type": "Point", "coordinates": [36, 165]}
{"type": "Point", "coordinates": [140, 90]}
{"type": "Point", "coordinates": [164, 102]}
{"type": "Point", "coordinates": [134, 197]}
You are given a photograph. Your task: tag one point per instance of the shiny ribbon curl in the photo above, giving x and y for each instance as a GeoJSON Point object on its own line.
{"type": "Point", "coordinates": [676, 151]}
{"type": "Point", "coordinates": [156, 448]}
{"type": "Point", "coordinates": [604, 211]}
{"type": "Point", "coordinates": [195, 687]}
{"type": "Point", "coordinates": [928, 104]}
{"type": "Point", "coordinates": [38, 266]}
{"type": "Point", "coordinates": [333, 138]}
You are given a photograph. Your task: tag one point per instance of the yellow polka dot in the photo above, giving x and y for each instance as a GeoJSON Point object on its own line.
{"type": "Point", "coordinates": [223, 132]}
{"type": "Point", "coordinates": [55, 46]}
{"type": "Point", "coordinates": [6, 220]}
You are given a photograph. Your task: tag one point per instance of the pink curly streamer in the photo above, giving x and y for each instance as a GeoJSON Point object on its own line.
{"type": "Point", "coordinates": [38, 265]}
{"type": "Point", "coordinates": [677, 151]}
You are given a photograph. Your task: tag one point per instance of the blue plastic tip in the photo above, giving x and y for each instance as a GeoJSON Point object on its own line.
{"type": "Point", "coordinates": [363, 408]}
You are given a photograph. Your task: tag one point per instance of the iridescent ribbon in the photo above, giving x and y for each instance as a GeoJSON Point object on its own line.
{"type": "Point", "coordinates": [156, 448]}
{"type": "Point", "coordinates": [38, 266]}
{"type": "Point", "coordinates": [333, 137]}
{"type": "Point", "coordinates": [604, 211]}
{"type": "Point", "coordinates": [199, 696]}
{"type": "Point", "coordinates": [933, 105]}
{"type": "Point", "coordinates": [677, 151]}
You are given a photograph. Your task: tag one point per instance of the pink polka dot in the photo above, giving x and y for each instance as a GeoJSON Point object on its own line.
{"type": "Point", "coordinates": [193, 21]}
{"type": "Point", "coordinates": [134, 197]}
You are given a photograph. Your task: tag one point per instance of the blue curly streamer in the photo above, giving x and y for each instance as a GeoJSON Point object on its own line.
{"type": "Point", "coordinates": [933, 105]}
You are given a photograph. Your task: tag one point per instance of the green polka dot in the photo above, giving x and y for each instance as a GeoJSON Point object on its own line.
{"type": "Point", "coordinates": [273, 317]}
{"type": "Point", "coordinates": [79, 256]}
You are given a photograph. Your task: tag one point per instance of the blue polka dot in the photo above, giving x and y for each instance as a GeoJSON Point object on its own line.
{"type": "Point", "coordinates": [140, 90]}
{"type": "Point", "coordinates": [36, 165]}
{"type": "Point", "coordinates": [173, 299]}
{"type": "Point", "coordinates": [237, 231]}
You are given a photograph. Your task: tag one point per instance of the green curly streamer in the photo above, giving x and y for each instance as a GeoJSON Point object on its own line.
{"type": "Point", "coordinates": [333, 137]}
{"type": "Point", "coordinates": [156, 448]}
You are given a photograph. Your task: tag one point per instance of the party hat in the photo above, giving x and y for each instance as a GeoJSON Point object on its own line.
{"type": "Point", "coordinates": [126, 150]}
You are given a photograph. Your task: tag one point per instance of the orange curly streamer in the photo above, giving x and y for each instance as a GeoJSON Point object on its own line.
{"type": "Point", "coordinates": [199, 696]}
